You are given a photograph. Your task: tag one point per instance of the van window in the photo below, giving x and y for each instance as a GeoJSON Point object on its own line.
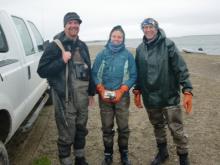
{"type": "Point", "coordinates": [37, 36]}
{"type": "Point", "coordinates": [3, 42]}
{"type": "Point", "coordinates": [25, 35]}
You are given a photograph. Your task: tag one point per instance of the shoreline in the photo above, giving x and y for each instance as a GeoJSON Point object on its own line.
{"type": "Point", "coordinates": [94, 49]}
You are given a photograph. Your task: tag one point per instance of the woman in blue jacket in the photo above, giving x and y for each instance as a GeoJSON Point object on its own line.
{"type": "Point", "coordinates": [114, 73]}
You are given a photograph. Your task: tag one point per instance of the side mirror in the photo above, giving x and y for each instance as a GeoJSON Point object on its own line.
{"type": "Point", "coordinates": [45, 44]}
{"type": "Point", "coordinates": [40, 48]}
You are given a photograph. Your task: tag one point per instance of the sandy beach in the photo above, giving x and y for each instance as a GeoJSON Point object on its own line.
{"type": "Point", "coordinates": [202, 126]}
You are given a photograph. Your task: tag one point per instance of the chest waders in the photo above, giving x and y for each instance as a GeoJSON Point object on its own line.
{"type": "Point", "coordinates": [72, 117]}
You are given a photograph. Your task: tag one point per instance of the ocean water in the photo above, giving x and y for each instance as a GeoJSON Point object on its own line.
{"type": "Point", "coordinates": [209, 43]}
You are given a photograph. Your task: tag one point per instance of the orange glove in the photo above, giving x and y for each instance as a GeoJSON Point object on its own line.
{"type": "Point", "coordinates": [137, 98]}
{"type": "Point", "coordinates": [101, 90]}
{"type": "Point", "coordinates": [119, 93]}
{"type": "Point", "coordinates": [187, 102]}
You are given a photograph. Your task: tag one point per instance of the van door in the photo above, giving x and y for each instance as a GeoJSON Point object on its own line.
{"type": "Point", "coordinates": [31, 59]}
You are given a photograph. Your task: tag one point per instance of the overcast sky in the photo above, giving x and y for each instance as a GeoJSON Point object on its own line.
{"type": "Point", "coordinates": [176, 17]}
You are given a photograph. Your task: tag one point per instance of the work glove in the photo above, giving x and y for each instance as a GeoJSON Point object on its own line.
{"type": "Point", "coordinates": [137, 98]}
{"type": "Point", "coordinates": [119, 93]}
{"type": "Point", "coordinates": [101, 90]}
{"type": "Point", "coordinates": [187, 102]}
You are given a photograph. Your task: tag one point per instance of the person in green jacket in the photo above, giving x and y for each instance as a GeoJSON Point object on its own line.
{"type": "Point", "coordinates": [161, 74]}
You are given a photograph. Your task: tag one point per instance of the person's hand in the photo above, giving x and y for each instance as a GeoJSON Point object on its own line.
{"type": "Point", "coordinates": [119, 93]}
{"type": "Point", "coordinates": [91, 102]}
{"type": "Point", "coordinates": [101, 90]}
{"type": "Point", "coordinates": [187, 102]}
{"type": "Point", "coordinates": [137, 98]}
{"type": "Point", "coordinates": [66, 56]}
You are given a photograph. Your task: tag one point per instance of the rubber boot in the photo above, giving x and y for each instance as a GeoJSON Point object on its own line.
{"type": "Point", "coordinates": [124, 157]}
{"type": "Point", "coordinates": [108, 158]}
{"type": "Point", "coordinates": [184, 159]}
{"type": "Point", "coordinates": [80, 161]}
{"type": "Point", "coordinates": [162, 154]}
{"type": "Point", "coordinates": [66, 161]}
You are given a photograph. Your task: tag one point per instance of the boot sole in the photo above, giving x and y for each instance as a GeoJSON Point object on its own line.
{"type": "Point", "coordinates": [163, 161]}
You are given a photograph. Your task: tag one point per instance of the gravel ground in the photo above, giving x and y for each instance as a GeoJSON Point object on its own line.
{"type": "Point", "coordinates": [202, 126]}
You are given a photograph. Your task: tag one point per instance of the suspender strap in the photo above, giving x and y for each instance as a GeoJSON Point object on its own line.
{"type": "Point", "coordinates": [60, 45]}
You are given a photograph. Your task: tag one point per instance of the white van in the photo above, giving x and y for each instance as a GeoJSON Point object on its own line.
{"type": "Point", "coordinates": [22, 91]}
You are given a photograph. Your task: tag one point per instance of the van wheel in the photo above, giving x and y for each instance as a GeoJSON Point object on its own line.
{"type": "Point", "coordinates": [50, 100]}
{"type": "Point", "coordinates": [3, 155]}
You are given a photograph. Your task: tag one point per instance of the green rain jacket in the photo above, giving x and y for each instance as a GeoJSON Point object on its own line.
{"type": "Point", "coordinates": [161, 71]}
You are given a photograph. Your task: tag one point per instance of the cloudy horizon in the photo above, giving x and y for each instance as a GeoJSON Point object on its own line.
{"type": "Point", "coordinates": [177, 18]}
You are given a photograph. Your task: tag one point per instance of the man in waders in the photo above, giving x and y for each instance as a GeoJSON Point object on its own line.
{"type": "Point", "coordinates": [161, 73]}
{"type": "Point", "coordinates": [68, 72]}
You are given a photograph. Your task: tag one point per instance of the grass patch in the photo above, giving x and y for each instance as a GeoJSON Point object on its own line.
{"type": "Point", "coordinates": [43, 160]}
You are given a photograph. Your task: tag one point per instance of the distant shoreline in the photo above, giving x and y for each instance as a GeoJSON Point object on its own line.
{"type": "Point", "coordinates": [94, 49]}
{"type": "Point", "coordinates": [209, 44]}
